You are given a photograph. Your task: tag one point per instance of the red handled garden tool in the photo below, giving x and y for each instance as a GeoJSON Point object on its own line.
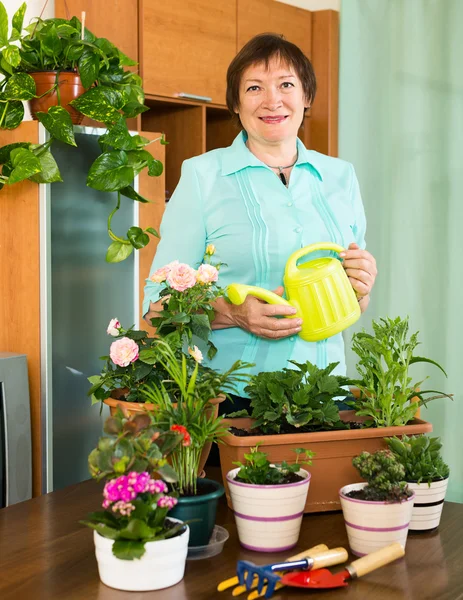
{"type": "Point", "coordinates": [323, 578]}
{"type": "Point", "coordinates": [267, 574]}
{"type": "Point", "coordinates": [239, 589]}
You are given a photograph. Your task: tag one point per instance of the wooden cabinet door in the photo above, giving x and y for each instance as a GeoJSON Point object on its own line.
{"type": "Point", "coordinates": [186, 46]}
{"type": "Point", "coordinates": [269, 16]}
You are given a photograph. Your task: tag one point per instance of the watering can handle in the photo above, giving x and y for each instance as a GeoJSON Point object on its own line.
{"type": "Point", "coordinates": [237, 293]}
{"type": "Point", "coordinates": [291, 265]}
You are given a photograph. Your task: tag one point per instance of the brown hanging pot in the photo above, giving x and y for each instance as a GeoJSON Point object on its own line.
{"type": "Point", "coordinates": [70, 88]}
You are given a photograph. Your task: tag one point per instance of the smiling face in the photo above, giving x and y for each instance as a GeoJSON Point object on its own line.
{"type": "Point", "coordinates": [272, 102]}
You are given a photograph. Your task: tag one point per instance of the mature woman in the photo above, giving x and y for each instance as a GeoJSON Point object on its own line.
{"type": "Point", "coordinates": [257, 202]}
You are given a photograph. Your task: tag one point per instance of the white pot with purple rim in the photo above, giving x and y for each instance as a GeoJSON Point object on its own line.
{"type": "Point", "coordinates": [373, 525]}
{"type": "Point", "coordinates": [268, 517]}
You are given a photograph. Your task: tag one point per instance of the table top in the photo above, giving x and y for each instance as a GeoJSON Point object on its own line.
{"type": "Point", "coordinates": [45, 554]}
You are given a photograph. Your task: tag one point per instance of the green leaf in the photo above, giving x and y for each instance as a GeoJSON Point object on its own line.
{"type": "Point", "coordinates": [148, 356]}
{"type": "Point", "coordinates": [66, 31]}
{"type": "Point", "coordinates": [11, 55]}
{"type": "Point", "coordinates": [200, 326]}
{"type": "Point", "coordinates": [125, 61]}
{"type": "Point", "coordinates": [117, 252]}
{"type": "Point", "coordinates": [95, 105]}
{"type": "Point", "coordinates": [5, 66]}
{"type": "Point", "coordinates": [118, 137]}
{"type": "Point", "coordinates": [25, 164]}
{"type": "Point", "coordinates": [155, 168]}
{"type": "Point", "coordinates": [110, 172]}
{"type": "Point", "coordinates": [168, 474]}
{"type": "Point", "coordinates": [6, 150]}
{"type": "Point", "coordinates": [129, 192]}
{"type": "Point", "coordinates": [18, 17]}
{"type": "Point", "coordinates": [14, 114]}
{"type": "Point", "coordinates": [58, 122]}
{"type": "Point", "coordinates": [104, 530]}
{"type": "Point", "coordinates": [3, 26]}
{"type": "Point", "coordinates": [152, 231]}
{"type": "Point", "coordinates": [20, 86]}
{"type": "Point", "coordinates": [139, 159]}
{"type": "Point", "coordinates": [75, 51]}
{"type": "Point", "coordinates": [136, 530]}
{"type": "Point", "coordinates": [417, 359]}
{"type": "Point", "coordinates": [89, 64]}
{"type": "Point", "coordinates": [49, 169]}
{"type": "Point", "coordinates": [128, 550]}
{"type": "Point", "coordinates": [14, 36]}
{"type": "Point", "coordinates": [51, 44]}
{"type": "Point", "coordinates": [133, 109]}
{"type": "Point", "coordinates": [137, 237]}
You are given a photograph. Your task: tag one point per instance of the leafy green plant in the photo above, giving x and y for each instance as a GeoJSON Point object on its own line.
{"type": "Point", "coordinates": [132, 457]}
{"type": "Point", "coordinates": [420, 456]}
{"type": "Point", "coordinates": [384, 475]}
{"type": "Point", "coordinates": [113, 94]}
{"type": "Point", "coordinates": [259, 471]}
{"type": "Point", "coordinates": [386, 387]}
{"type": "Point", "coordinates": [297, 397]}
{"type": "Point", "coordinates": [191, 412]}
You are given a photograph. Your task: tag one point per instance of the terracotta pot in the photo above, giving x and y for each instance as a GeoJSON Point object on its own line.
{"type": "Point", "coordinates": [332, 466]}
{"type": "Point", "coordinates": [70, 88]}
{"type": "Point", "coordinates": [137, 407]}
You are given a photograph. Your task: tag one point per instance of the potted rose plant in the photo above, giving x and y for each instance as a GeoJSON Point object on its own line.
{"type": "Point", "coordinates": [269, 500]}
{"type": "Point", "coordinates": [426, 474]}
{"type": "Point", "coordinates": [138, 546]}
{"type": "Point", "coordinates": [296, 407]}
{"type": "Point", "coordinates": [378, 512]}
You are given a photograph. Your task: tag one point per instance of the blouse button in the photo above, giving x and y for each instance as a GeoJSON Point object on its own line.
{"type": "Point", "coordinates": [289, 204]}
{"type": "Point", "coordinates": [298, 229]}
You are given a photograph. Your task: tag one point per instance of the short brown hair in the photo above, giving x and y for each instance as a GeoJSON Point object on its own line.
{"type": "Point", "coordinates": [261, 49]}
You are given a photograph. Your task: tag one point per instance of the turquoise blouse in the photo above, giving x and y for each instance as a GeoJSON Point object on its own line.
{"type": "Point", "coordinates": [229, 198]}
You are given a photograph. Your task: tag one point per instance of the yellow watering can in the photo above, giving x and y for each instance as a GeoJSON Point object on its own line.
{"type": "Point", "coordinates": [319, 289]}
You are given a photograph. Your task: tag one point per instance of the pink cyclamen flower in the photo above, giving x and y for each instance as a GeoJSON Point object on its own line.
{"type": "Point", "coordinates": [161, 274]}
{"type": "Point", "coordinates": [167, 502]}
{"type": "Point", "coordinates": [181, 277]}
{"type": "Point", "coordinates": [113, 328]}
{"type": "Point", "coordinates": [123, 352]}
{"type": "Point", "coordinates": [196, 353]}
{"type": "Point", "coordinates": [207, 274]}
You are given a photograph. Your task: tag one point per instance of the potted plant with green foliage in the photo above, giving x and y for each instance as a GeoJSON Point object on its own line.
{"type": "Point", "coordinates": [138, 546]}
{"type": "Point", "coordinates": [269, 500]}
{"type": "Point", "coordinates": [71, 58]}
{"type": "Point", "coordinates": [190, 415]}
{"type": "Point", "coordinates": [378, 512]}
{"type": "Point", "coordinates": [296, 407]}
{"type": "Point", "coordinates": [426, 474]}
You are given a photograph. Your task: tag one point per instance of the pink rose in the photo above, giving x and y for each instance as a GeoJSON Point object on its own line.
{"type": "Point", "coordinates": [113, 328]}
{"type": "Point", "coordinates": [207, 274]}
{"type": "Point", "coordinates": [123, 352]}
{"type": "Point", "coordinates": [161, 274]}
{"type": "Point", "coordinates": [181, 277]}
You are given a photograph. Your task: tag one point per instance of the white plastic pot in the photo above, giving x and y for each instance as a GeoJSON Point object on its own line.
{"type": "Point", "coordinates": [162, 564]}
{"type": "Point", "coordinates": [373, 525]}
{"type": "Point", "coordinates": [429, 501]}
{"type": "Point", "coordinates": [268, 517]}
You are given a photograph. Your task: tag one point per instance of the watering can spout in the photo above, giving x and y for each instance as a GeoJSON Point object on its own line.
{"type": "Point", "coordinates": [319, 289]}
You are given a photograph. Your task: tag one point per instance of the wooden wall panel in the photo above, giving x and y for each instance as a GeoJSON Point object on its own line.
{"type": "Point", "coordinates": [325, 59]}
{"type": "Point", "coordinates": [269, 16]}
{"type": "Point", "coordinates": [20, 284]}
{"type": "Point", "coordinates": [150, 215]}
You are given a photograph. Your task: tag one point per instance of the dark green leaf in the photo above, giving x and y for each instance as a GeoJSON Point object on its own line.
{"type": "Point", "coordinates": [104, 530]}
{"type": "Point", "coordinates": [168, 473]}
{"type": "Point", "coordinates": [105, 46]}
{"type": "Point", "coordinates": [25, 164]}
{"type": "Point", "coordinates": [6, 150]}
{"type": "Point", "coordinates": [7, 68]}
{"type": "Point", "coordinates": [128, 550]}
{"type": "Point", "coordinates": [75, 51]}
{"type": "Point", "coordinates": [117, 252]}
{"type": "Point", "coordinates": [155, 168]}
{"type": "Point", "coordinates": [11, 55]}
{"type": "Point", "coordinates": [89, 63]}
{"type": "Point", "coordinates": [417, 359]}
{"type": "Point", "coordinates": [51, 44]}
{"type": "Point", "coordinates": [94, 104]}
{"type": "Point", "coordinates": [49, 169]}
{"type": "Point", "coordinates": [3, 26]}
{"type": "Point", "coordinates": [137, 237]}
{"type": "Point", "coordinates": [18, 17]}
{"type": "Point", "coordinates": [152, 231]}
{"type": "Point", "coordinates": [20, 86]}
{"type": "Point", "coordinates": [129, 192]}
{"type": "Point", "coordinates": [200, 326]}
{"type": "Point", "coordinates": [66, 31]}
{"type": "Point", "coordinates": [136, 530]}
{"type": "Point", "coordinates": [58, 122]}
{"type": "Point", "coordinates": [148, 356]}
{"type": "Point", "coordinates": [12, 113]}
{"type": "Point", "coordinates": [141, 371]}
{"type": "Point", "coordinates": [133, 109]}
{"type": "Point", "coordinates": [125, 61]}
{"type": "Point", "coordinates": [110, 172]}
{"type": "Point", "coordinates": [118, 137]}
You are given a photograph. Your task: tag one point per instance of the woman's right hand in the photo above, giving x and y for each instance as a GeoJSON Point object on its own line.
{"type": "Point", "coordinates": [260, 318]}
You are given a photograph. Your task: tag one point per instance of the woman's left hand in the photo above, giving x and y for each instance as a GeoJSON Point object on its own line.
{"type": "Point", "coordinates": [360, 267]}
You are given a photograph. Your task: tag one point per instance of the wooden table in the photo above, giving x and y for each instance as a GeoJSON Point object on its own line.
{"type": "Point", "coordinates": [45, 554]}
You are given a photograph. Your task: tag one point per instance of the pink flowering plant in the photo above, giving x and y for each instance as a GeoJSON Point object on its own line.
{"type": "Point", "coordinates": [132, 458]}
{"type": "Point", "coordinates": [187, 296]}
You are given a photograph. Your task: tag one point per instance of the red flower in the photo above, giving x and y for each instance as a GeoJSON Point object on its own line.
{"type": "Point", "coordinates": [183, 430]}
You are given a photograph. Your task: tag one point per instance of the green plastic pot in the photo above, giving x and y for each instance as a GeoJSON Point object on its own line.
{"type": "Point", "coordinates": [200, 510]}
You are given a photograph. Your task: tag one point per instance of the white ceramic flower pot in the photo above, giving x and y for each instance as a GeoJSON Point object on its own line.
{"type": "Point", "coordinates": [373, 525]}
{"type": "Point", "coordinates": [162, 565]}
{"type": "Point", "coordinates": [268, 517]}
{"type": "Point", "coordinates": [429, 501]}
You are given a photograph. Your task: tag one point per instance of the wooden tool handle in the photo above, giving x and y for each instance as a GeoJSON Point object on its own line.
{"type": "Point", "coordinates": [309, 553]}
{"type": "Point", "coordinates": [377, 559]}
{"type": "Point", "coordinates": [334, 556]}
